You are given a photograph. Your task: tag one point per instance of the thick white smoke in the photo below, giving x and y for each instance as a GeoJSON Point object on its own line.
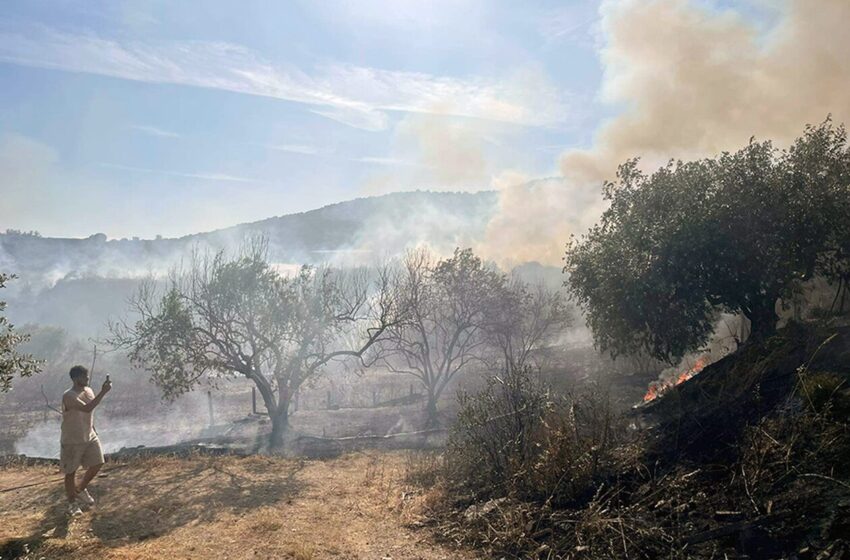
{"type": "Point", "coordinates": [692, 81]}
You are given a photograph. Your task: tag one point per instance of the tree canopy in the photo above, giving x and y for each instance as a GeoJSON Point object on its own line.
{"type": "Point", "coordinates": [239, 316]}
{"type": "Point", "coordinates": [732, 233]}
{"type": "Point", "coordinates": [461, 312]}
{"type": "Point", "coordinates": [446, 307]}
{"type": "Point", "coordinates": [12, 363]}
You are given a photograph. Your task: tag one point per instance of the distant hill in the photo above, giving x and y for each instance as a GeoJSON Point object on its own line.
{"type": "Point", "coordinates": [77, 283]}
{"type": "Point", "coordinates": [383, 225]}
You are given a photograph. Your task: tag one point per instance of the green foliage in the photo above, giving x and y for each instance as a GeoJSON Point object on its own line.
{"type": "Point", "coordinates": [166, 347]}
{"type": "Point", "coordinates": [224, 317]}
{"type": "Point", "coordinates": [21, 233]}
{"type": "Point", "coordinates": [732, 234]}
{"type": "Point", "coordinates": [493, 438]}
{"type": "Point", "coordinates": [825, 393]}
{"type": "Point", "coordinates": [239, 317]}
{"type": "Point", "coordinates": [12, 363]}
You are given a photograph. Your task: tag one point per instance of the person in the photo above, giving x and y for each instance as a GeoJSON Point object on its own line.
{"type": "Point", "coordinates": [79, 444]}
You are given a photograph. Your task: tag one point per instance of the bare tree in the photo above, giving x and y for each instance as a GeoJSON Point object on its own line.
{"type": "Point", "coordinates": [445, 316]}
{"type": "Point", "coordinates": [523, 321]}
{"type": "Point", "coordinates": [239, 316]}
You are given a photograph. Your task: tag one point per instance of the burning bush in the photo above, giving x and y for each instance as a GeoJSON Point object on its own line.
{"type": "Point", "coordinates": [657, 388]}
{"type": "Point", "coordinates": [764, 470]}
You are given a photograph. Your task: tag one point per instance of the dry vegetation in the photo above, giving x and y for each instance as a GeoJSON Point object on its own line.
{"type": "Point", "coordinates": [357, 506]}
{"type": "Point", "coordinates": [749, 459]}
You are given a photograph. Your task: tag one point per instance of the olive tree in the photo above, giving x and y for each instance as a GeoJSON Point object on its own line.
{"type": "Point", "coordinates": [732, 234]}
{"type": "Point", "coordinates": [523, 321]}
{"type": "Point", "coordinates": [443, 331]}
{"type": "Point", "coordinates": [12, 362]}
{"type": "Point", "coordinates": [239, 316]}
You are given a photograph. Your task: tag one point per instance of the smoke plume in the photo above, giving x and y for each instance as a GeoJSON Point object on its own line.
{"type": "Point", "coordinates": [692, 81]}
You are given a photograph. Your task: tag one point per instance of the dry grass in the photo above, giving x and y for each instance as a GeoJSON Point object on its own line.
{"type": "Point", "coordinates": [356, 506]}
{"type": "Point", "coordinates": [775, 485]}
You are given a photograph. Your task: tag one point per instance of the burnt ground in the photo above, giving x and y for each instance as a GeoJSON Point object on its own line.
{"type": "Point", "coordinates": [355, 506]}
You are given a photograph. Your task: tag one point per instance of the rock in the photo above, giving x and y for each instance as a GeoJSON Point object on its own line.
{"type": "Point", "coordinates": [477, 511]}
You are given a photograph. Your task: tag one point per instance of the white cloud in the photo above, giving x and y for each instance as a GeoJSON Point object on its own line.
{"type": "Point", "coordinates": [295, 149]}
{"type": "Point", "coordinates": [353, 95]}
{"type": "Point", "coordinates": [154, 131]}
{"type": "Point", "coordinates": [389, 161]}
{"type": "Point", "coordinates": [204, 176]}
{"type": "Point", "coordinates": [362, 118]}
{"type": "Point", "coordinates": [571, 22]}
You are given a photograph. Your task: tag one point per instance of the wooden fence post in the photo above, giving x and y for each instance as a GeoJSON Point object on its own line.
{"type": "Point", "coordinates": [210, 403]}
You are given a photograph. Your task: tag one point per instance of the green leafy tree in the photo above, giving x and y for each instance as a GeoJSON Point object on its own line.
{"type": "Point", "coordinates": [240, 317]}
{"type": "Point", "coordinates": [734, 233]}
{"type": "Point", "coordinates": [12, 363]}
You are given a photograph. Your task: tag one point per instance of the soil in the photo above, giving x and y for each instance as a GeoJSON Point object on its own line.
{"type": "Point", "coordinates": [354, 506]}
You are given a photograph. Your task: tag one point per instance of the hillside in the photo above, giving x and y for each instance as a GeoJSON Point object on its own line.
{"type": "Point", "coordinates": [77, 284]}
{"type": "Point", "coordinates": [384, 224]}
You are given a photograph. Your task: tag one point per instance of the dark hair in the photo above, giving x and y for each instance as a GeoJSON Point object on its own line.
{"type": "Point", "coordinates": [78, 371]}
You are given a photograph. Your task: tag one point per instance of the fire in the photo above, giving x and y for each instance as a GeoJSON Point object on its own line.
{"type": "Point", "coordinates": [658, 387]}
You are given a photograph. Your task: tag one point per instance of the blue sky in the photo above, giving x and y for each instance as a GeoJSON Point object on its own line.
{"type": "Point", "coordinates": [162, 117]}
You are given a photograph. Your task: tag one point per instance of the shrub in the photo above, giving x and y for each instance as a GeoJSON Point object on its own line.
{"type": "Point", "coordinates": [824, 392]}
{"type": "Point", "coordinates": [516, 439]}
{"type": "Point", "coordinates": [492, 443]}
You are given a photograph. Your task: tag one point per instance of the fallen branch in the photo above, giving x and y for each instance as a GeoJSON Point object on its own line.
{"type": "Point", "coordinates": [824, 477]}
{"type": "Point", "coordinates": [373, 437]}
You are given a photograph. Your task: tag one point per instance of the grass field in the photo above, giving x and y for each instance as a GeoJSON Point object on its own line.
{"type": "Point", "coordinates": [360, 505]}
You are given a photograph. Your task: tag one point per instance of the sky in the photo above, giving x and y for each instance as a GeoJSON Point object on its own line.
{"type": "Point", "coordinates": [150, 118]}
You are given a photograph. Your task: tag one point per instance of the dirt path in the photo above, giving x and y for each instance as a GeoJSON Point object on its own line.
{"type": "Point", "coordinates": [356, 506]}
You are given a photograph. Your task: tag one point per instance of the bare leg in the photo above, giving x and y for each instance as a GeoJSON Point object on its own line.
{"type": "Point", "coordinates": [91, 472]}
{"type": "Point", "coordinates": [70, 487]}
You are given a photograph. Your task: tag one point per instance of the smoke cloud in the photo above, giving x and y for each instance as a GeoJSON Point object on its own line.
{"type": "Point", "coordinates": [692, 81]}
{"type": "Point", "coordinates": [169, 425]}
{"type": "Point", "coordinates": [534, 219]}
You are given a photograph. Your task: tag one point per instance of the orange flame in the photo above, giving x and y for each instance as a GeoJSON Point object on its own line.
{"type": "Point", "coordinates": [658, 387]}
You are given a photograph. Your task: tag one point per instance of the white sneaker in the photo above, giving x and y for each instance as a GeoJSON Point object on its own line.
{"type": "Point", "coordinates": [74, 510]}
{"type": "Point", "coordinates": [86, 498]}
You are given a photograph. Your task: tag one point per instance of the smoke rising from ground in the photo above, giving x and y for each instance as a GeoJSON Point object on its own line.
{"type": "Point", "coordinates": [158, 426]}
{"type": "Point", "coordinates": [692, 81]}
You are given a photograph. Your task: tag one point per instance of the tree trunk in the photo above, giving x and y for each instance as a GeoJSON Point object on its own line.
{"type": "Point", "coordinates": [280, 425]}
{"type": "Point", "coordinates": [762, 316]}
{"type": "Point", "coordinates": [280, 419]}
{"type": "Point", "coordinates": [431, 410]}
{"type": "Point", "coordinates": [280, 422]}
